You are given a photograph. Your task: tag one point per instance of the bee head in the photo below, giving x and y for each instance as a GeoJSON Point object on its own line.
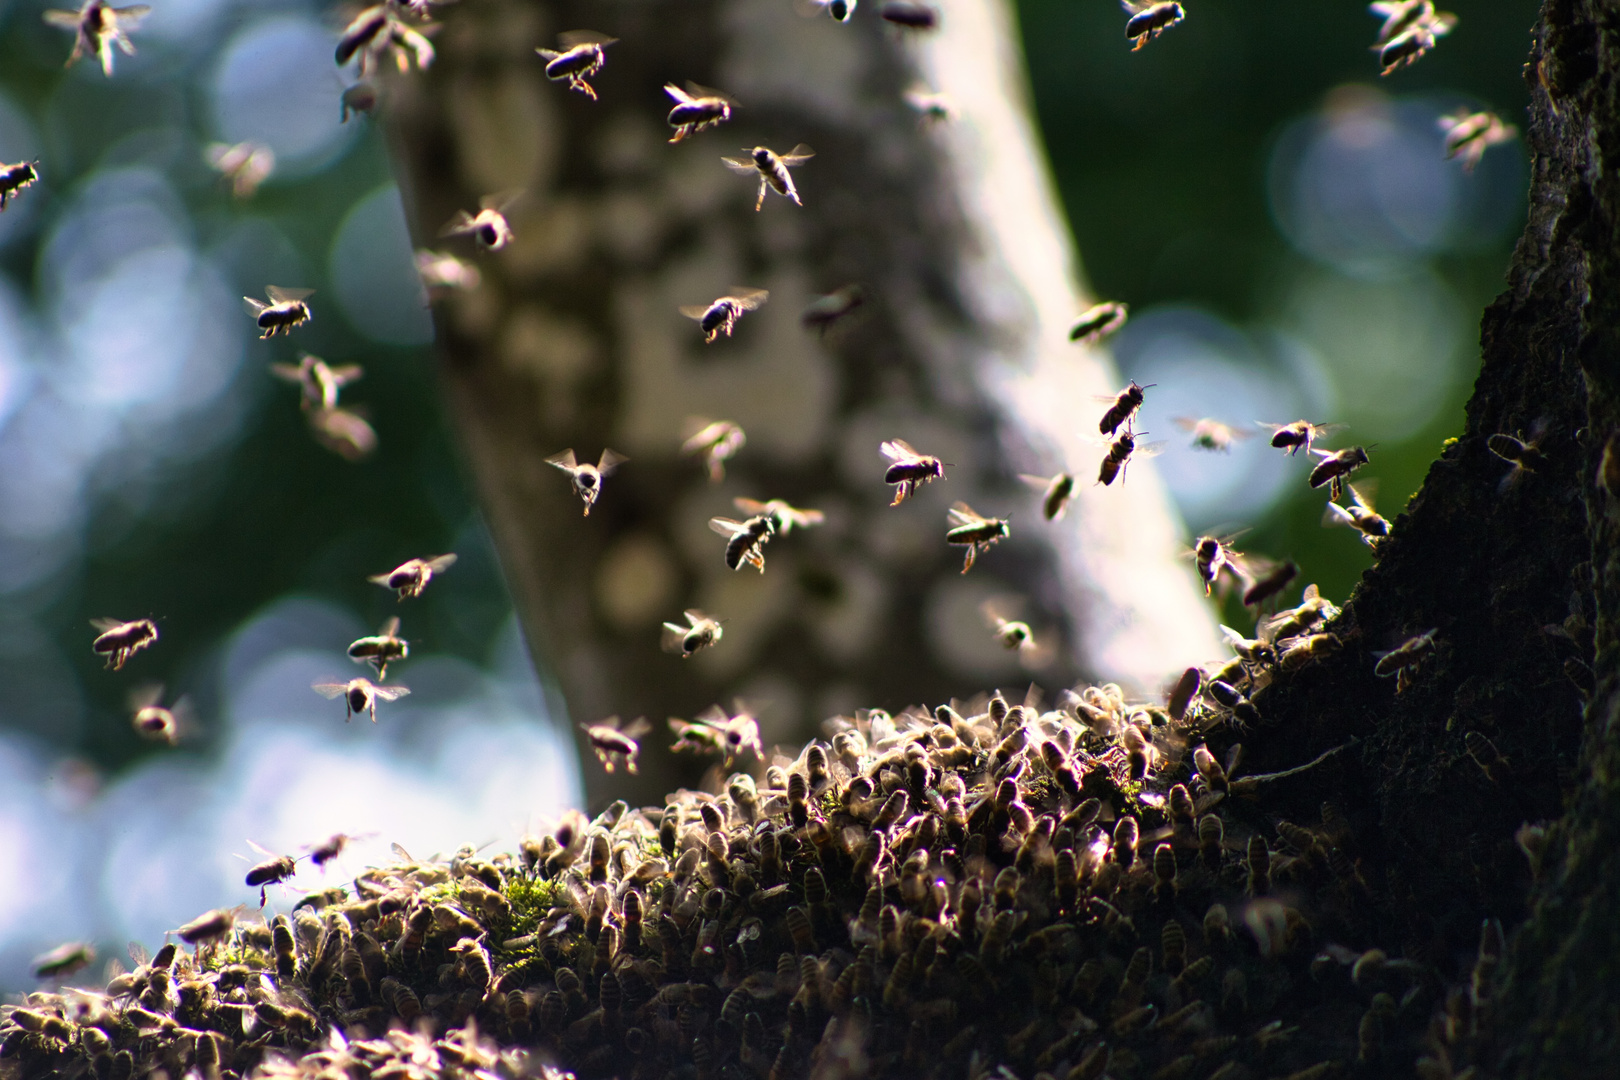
{"type": "Point", "coordinates": [762, 156]}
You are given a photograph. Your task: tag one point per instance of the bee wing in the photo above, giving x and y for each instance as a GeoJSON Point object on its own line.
{"type": "Point", "coordinates": [1133, 6]}
{"type": "Point", "coordinates": [1270, 427]}
{"type": "Point", "coordinates": [461, 223]}
{"type": "Point", "coordinates": [695, 617]}
{"type": "Point", "coordinates": [571, 38]}
{"type": "Point", "coordinates": [681, 96]}
{"type": "Point", "coordinates": [610, 460]}
{"type": "Point", "coordinates": [899, 450]}
{"type": "Point", "coordinates": [798, 155]}
{"type": "Point", "coordinates": [714, 716]}
{"type": "Point", "coordinates": [961, 513]}
{"type": "Point", "coordinates": [441, 562]}
{"type": "Point", "coordinates": [803, 518]}
{"type": "Point", "coordinates": [262, 850]}
{"type": "Point", "coordinates": [697, 311]}
{"type": "Point", "coordinates": [1334, 514]}
{"type": "Point", "coordinates": [287, 372]}
{"type": "Point", "coordinates": [67, 20]}
{"type": "Point", "coordinates": [500, 200]}
{"type": "Point", "coordinates": [726, 526]}
{"type": "Point", "coordinates": [253, 306]}
{"type": "Point", "coordinates": [1363, 493]}
{"type": "Point", "coordinates": [1152, 449]}
{"type": "Point", "coordinates": [132, 14]}
{"type": "Point", "coordinates": [285, 296]}
{"type": "Point", "coordinates": [105, 624]}
{"type": "Point", "coordinates": [673, 638]}
{"type": "Point", "coordinates": [548, 55]}
{"type": "Point", "coordinates": [1039, 483]}
{"type": "Point", "coordinates": [344, 432]}
{"type": "Point", "coordinates": [390, 628]}
{"type": "Point", "coordinates": [380, 579]}
{"type": "Point", "coordinates": [391, 693]}
{"type": "Point", "coordinates": [145, 696]}
{"type": "Point", "coordinates": [751, 507]}
{"type": "Point", "coordinates": [737, 166]}
{"type": "Point", "coordinates": [348, 373]}
{"type": "Point", "coordinates": [564, 460]}
{"type": "Point", "coordinates": [330, 690]}
{"type": "Point", "coordinates": [749, 299]}
{"type": "Point", "coordinates": [636, 728]}
{"type": "Point", "coordinates": [1186, 423]}
{"type": "Point", "coordinates": [699, 91]}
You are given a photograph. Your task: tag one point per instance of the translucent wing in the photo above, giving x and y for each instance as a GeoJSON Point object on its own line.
{"type": "Point", "coordinates": [804, 518]}
{"type": "Point", "coordinates": [348, 373]}
{"type": "Point", "coordinates": [737, 166]}
{"type": "Point", "coordinates": [751, 507]}
{"type": "Point", "coordinates": [500, 200]}
{"type": "Point", "coordinates": [961, 513]}
{"type": "Point", "coordinates": [262, 850]}
{"type": "Point", "coordinates": [288, 372]}
{"type": "Point", "coordinates": [1362, 493]}
{"type": "Point", "coordinates": [571, 38]}
{"type": "Point", "coordinates": [697, 311]}
{"type": "Point", "coordinates": [714, 716]}
{"type": "Point", "coordinates": [380, 579]}
{"type": "Point", "coordinates": [105, 624]}
{"type": "Point", "coordinates": [673, 638]}
{"type": "Point", "coordinates": [695, 617]}
{"type": "Point", "coordinates": [330, 689]}
{"type": "Point", "coordinates": [636, 728]}
{"type": "Point", "coordinates": [461, 223]}
{"type": "Point", "coordinates": [440, 562]}
{"type": "Point", "coordinates": [389, 628]}
{"type": "Point", "coordinates": [1152, 449]}
{"type": "Point", "coordinates": [286, 296]}
{"type": "Point", "coordinates": [132, 13]}
{"type": "Point", "coordinates": [564, 460]}
{"type": "Point", "coordinates": [749, 299]}
{"type": "Point", "coordinates": [1334, 514]}
{"type": "Point", "coordinates": [698, 91]}
{"type": "Point", "coordinates": [681, 96]}
{"type": "Point", "coordinates": [67, 20]}
{"type": "Point", "coordinates": [726, 526]}
{"type": "Point", "coordinates": [548, 55]}
{"type": "Point", "coordinates": [253, 306]}
{"type": "Point", "coordinates": [1039, 483]}
{"type": "Point", "coordinates": [610, 460]}
{"type": "Point", "coordinates": [798, 154]}
{"type": "Point", "coordinates": [143, 697]}
{"type": "Point", "coordinates": [899, 450]}
{"type": "Point", "coordinates": [390, 693]}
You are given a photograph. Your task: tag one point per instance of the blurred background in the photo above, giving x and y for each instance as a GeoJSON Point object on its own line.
{"type": "Point", "coordinates": [1281, 220]}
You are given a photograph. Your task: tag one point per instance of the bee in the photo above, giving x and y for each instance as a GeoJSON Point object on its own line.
{"type": "Point", "coordinates": [580, 59]}
{"type": "Point", "coordinates": [772, 170]}
{"type": "Point", "coordinates": [1149, 19]}
{"type": "Point", "coordinates": [1253, 651]}
{"type": "Point", "coordinates": [909, 14]}
{"type": "Point", "coordinates": [121, 640]}
{"type": "Point", "coordinates": [696, 107]}
{"type": "Point", "coordinates": [1469, 135]}
{"type": "Point", "coordinates": [701, 632]}
{"type": "Point", "coordinates": [1302, 650]}
{"type": "Point", "coordinates": [1216, 776]}
{"type": "Point", "coordinates": [363, 32]}
{"type": "Point", "coordinates": [1406, 656]}
{"type": "Point", "coordinates": [837, 10]}
{"type": "Point", "coordinates": [612, 740]}
{"type": "Point", "coordinates": [1313, 608]}
{"type": "Point", "coordinates": [1359, 515]}
{"type": "Point", "coordinates": [152, 721]}
{"type": "Point", "coordinates": [245, 165]}
{"type": "Point", "coordinates": [209, 926]}
{"type": "Point", "coordinates": [330, 848]}
{"type": "Point", "coordinates": [1012, 635]}
{"type": "Point", "coordinates": [344, 432]}
{"type": "Point", "coordinates": [973, 531]}
{"type": "Point", "coordinates": [1270, 583]}
{"type": "Point", "coordinates": [1122, 407]}
{"type": "Point", "coordinates": [587, 478]}
{"type": "Point", "coordinates": [359, 98]}
{"type": "Point", "coordinates": [1211, 555]}
{"type": "Point", "coordinates": [1523, 456]}
{"type": "Point", "coordinates": [376, 31]}
{"type": "Point", "coordinates": [713, 731]}
{"type": "Point", "coordinates": [409, 578]}
{"type": "Point", "coordinates": [64, 960]}
{"type": "Point", "coordinates": [1120, 452]}
{"type": "Point", "coordinates": [911, 469]}
{"type": "Point", "coordinates": [1419, 36]}
{"type": "Point", "coordinates": [381, 649]}
{"type": "Point", "coordinates": [1208, 434]}
{"type": "Point", "coordinates": [720, 316]}
{"type": "Point", "coordinates": [1056, 491]}
{"type": "Point", "coordinates": [319, 381]}
{"type": "Point", "coordinates": [443, 274]}
{"type": "Point", "coordinates": [718, 441]}
{"type": "Point", "coordinates": [933, 107]}
{"type": "Point", "coordinates": [1399, 16]}
{"type": "Point", "coordinates": [275, 868]}
{"type": "Point", "coordinates": [1335, 466]}
{"type": "Point", "coordinates": [746, 539]}
{"type": "Point", "coordinates": [1298, 435]}
{"type": "Point", "coordinates": [1099, 321]}
{"type": "Point", "coordinates": [97, 27]}
{"type": "Point", "coordinates": [489, 226]}
{"type": "Point", "coordinates": [785, 517]}
{"type": "Point", "coordinates": [823, 311]}
{"type": "Point", "coordinates": [285, 310]}
{"type": "Point", "coordinates": [360, 695]}
{"type": "Point", "coordinates": [1183, 692]}
{"type": "Point", "coordinates": [13, 178]}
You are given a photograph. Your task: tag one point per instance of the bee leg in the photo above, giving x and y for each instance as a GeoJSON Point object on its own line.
{"type": "Point", "coordinates": [759, 203]}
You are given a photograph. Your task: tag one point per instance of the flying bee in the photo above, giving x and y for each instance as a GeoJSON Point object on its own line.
{"type": "Point", "coordinates": [1269, 583]}
{"type": "Point", "coordinates": [358, 98]}
{"type": "Point", "coordinates": [700, 633]}
{"type": "Point", "coordinates": [823, 311]}
{"type": "Point", "coordinates": [409, 578]}
{"type": "Point", "coordinates": [1298, 435]}
{"type": "Point", "coordinates": [333, 846]}
{"type": "Point", "coordinates": [489, 226]}
{"type": "Point", "coordinates": [934, 107]}
{"type": "Point", "coordinates": [1149, 19]}
{"type": "Point", "coordinates": [745, 539]}
{"type": "Point", "coordinates": [717, 440]}
{"type": "Point", "coordinates": [1313, 609]}
{"type": "Point", "coordinates": [1488, 758]}
{"type": "Point", "coordinates": [209, 926]}
{"type": "Point", "coordinates": [1524, 456]}
{"type": "Point", "coordinates": [377, 31]}
{"type": "Point", "coordinates": [344, 432]}
{"type": "Point", "coordinates": [13, 178]}
{"type": "Point", "coordinates": [1014, 635]}
{"type": "Point", "coordinates": [360, 695]}
{"type": "Point", "coordinates": [714, 731]}
{"type": "Point", "coordinates": [587, 478]}
{"type": "Point", "coordinates": [1099, 321]}
{"type": "Point", "coordinates": [64, 960]}
{"type": "Point", "coordinates": [319, 380]}
{"type": "Point", "coordinates": [244, 166]}
{"type": "Point", "coordinates": [1208, 434]}
{"type": "Point", "coordinates": [1120, 453]}
{"type": "Point", "coordinates": [613, 741]}
{"type": "Point", "coordinates": [973, 531]}
{"type": "Point", "coordinates": [152, 721]}
{"type": "Point", "coordinates": [285, 310]}
{"type": "Point", "coordinates": [1406, 656]}
{"type": "Point", "coordinates": [1411, 44]}
{"type": "Point", "coordinates": [121, 640]}
{"type": "Point", "coordinates": [1211, 555]}
{"type": "Point", "coordinates": [1122, 407]}
{"type": "Point", "coordinates": [696, 107]}
{"type": "Point", "coordinates": [909, 14]}
{"type": "Point", "coordinates": [911, 469]}
{"type": "Point", "coordinates": [1359, 515]}
{"type": "Point", "coordinates": [275, 868]}
{"type": "Point", "coordinates": [1055, 492]}
{"type": "Point", "coordinates": [720, 316]}
{"type": "Point", "coordinates": [837, 10]}
{"type": "Point", "coordinates": [1335, 466]}
{"type": "Point", "coordinates": [443, 274]}
{"type": "Point", "coordinates": [363, 32]}
{"type": "Point", "coordinates": [97, 27]}
{"type": "Point", "coordinates": [381, 649]}
{"type": "Point", "coordinates": [1469, 135]}
{"type": "Point", "coordinates": [1399, 16]}
{"type": "Point", "coordinates": [772, 170]}
{"type": "Point", "coordinates": [1182, 693]}
{"type": "Point", "coordinates": [786, 518]}
{"type": "Point", "coordinates": [580, 59]}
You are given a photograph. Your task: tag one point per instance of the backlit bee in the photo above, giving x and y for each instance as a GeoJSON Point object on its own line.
{"type": "Point", "coordinates": [717, 440]}
{"type": "Point", "coordinates": [1300, 651]}
{"type": "Point", "coordinates": [358, 98]}
{"type": "Point", "coordinates": [343, 431]}
{"type": "Point", "coordinates": [360, 695]}
{"type": "Point", "coordinates": [934, 107]}
{"type": "Point", "coordinates": [1228, 696]}
{"type": "Point", "coordinates": [1121, 408]}
{"type": "Point", "coordinates": [1055, 492]}
{"type": "Point", "coordinates": [409, 578]}
{"type": "Point", "coordinates": [1120, 453]}
{"type": "Point", "coordinates": [13, 178]}
{"type": "Point", "coordinates": [1208, 434]}
{"type": "Point", "coordinates": [1418, 38]}
{"type": "Point", "coordinates": [613, 741]}
{"type": "Point", "coordinates": [784, 516]}
{"type": "Point", "coordinates": [1270, 583]}
{"type": "Point", "coordinates": [910, 469]}
{"type": "Point", "coordinates": [381, 649]}
{"type": "Point", "coordinates": [378, 30]}
{"type": "Point", "coordinates": [1469, 135]}
{"type": "Point", "coordinates": [1335, 466]}
{"type": "Point", "coordinates": [1298, 434]}
{"type": "Point", "coordinates": [1486, 756]}
{"type": "Point", "coordinates": [319, 380]}
{"type": "Point", "coordinates": [823, 311]}
{"type": "Point", "coordinates": [772, 170]}
{"type": "Point", "coordinates": [1404, 658]}
{"type": "Point", "coordinates": [1183, 692]}
{"type": "Point", "coordinates": [580, 59]}
{"type": "Point", "coordinates": [489, 226]}
{"type": "Point", "coordinates": [1099, 321]}
{"type": "Point", "coordinates": [64, 960]}
{"type": "Point", "coordinates": [587, 478]}
{"type": "Point", "coordinates": [746, 540]}
{"type": "Point", "coordinates": [119, 641]}
{"type": "Point", "coordinates": [1359, 515]}
{"type": "Point", "coordinates": [1399, 16]}
{"type": "Point", "coordinates": [1211, 555]}
{"type": "Point", "coordinates": [285, 310]}
{"type": "Point", "coordinates": [1254, 651]}
{"type": "Point", "coordinates": [714, 731]}
{"type": "Point", "coordinates": [209, 926]}
{"type": "Point", "coordinates": [700, 633]}
{"type": "Point", "coordinates": [1013, 634]}
{"type": "Point", "coordinates": [152, 721]}
{"type": "Point", "coordinates": [909, 14]}
{"type": "Point", "coordinates": [974, 531]}
{"type": "Point", "coordinates": [443, 274]}
{"type": "Point", "coordinates": [97, 27]}
{"type": "Point", "coordinates": [837, 10]}
{"type": "Point", "coordinates": [720, 316]}
{"type": "Point", "coordinates": [1149, 19]}
{"type": "Point", "coordinates": [245, 165]}
{"type": "Point", "coordinates": [275, 868]}
{"type": "Point", "coordinates": [696, 107]}
{"type": "Point", "coordinates": [1524, 456]}
{"type": "Point", "coordinates": [324, 852]}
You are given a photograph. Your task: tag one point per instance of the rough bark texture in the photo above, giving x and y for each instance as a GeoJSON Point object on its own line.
{"type": "Point", "coordinates": [574, 340]}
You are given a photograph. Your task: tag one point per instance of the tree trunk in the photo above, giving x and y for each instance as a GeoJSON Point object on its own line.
{"type": "Point", "coordinates": [574, 340]}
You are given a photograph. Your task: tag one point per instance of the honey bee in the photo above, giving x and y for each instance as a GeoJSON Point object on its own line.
{"type": "Point", "coordinates": [1469, 135]}
{"type": "Point", "coordinates": [772, 170]}
{"type": "Point", "coordinates": [1359, 515]}
{"type": "Point", "coordinates": [911, 469]}
{"type": "Point", "coordinates": [1485, 755]}
{"type": "Point", "coordinates": [319, 380]}
{"type": "Point", "coordinates": [1183, 692]}
{"type": "Point", "coordinates": [1270, 583]}
{"type": "Point", "coordinates": [443, 274]}
{"type": "Point", "coordinates": [933, 107]}
{"type": "Point", "coordinates": [274, 869]}
{"type": "Point", "coordinates": [1523, 456]}
{"type": "Point", "coordinates": [409, 578]}
{"type": "Point", "coordinates": [718, 441]}
{"type": "Point", "coordinates": [333, 846]}
{"type": "Point", "coordinates": [363, 32]}
{"type": "Point", "coordinates": [974, 531]}
{"type": "Point", "coordinates": [97, 26]}
{"type": "Point", "coordinates": [587, 479]}
{"type": "Point", "coordinates": [837, 10]}
{"type": "Point", "coordinates": [1298, 434]}
{"type": "Point", "coordinates": [1313, 608]}
{"type": "Point", "coordinates": [489, 227]}
{"type": "Point", "coordinates": [344, 432]}
{"type": "Point", "coordinates": [209, 926]}
{"type": "Point", "coordinates": [580, 59]}
{"type": "Point", "coordinates": [1335, 466]}
{"type": "Point", "coordinates": [1254, 651]}
{"type": "Point", "coordinates": [1302, 650]}
{"type": "Point", "coordinates": [721, 315]}
{"type": "Point", "coordinates": [360, 695]}
{"type": "Point", "coordinates": [1406, 656]}
{"type": "Point", "coordinates": [1013, 635]}
{"type": "Point", "coordinates": [613, 741]}
{"type": "Point", "coordinates": [1056, 491]}
{"type": "Point", "coordinates": [1120, 453]}
{"type": "Point", "coordinates": [714, 731]}
{"type": "Point", "coordinates": [64, 960]}
{"type": "Point", "coordinates": [696, 107]}
{"type": "Point", "coordinates": [700, 633]}
{"type": "Point", "coordinates": [823, 311]}
{"type": "Point", "coordinates": [1399, 16]}
{"type": "Point", "coordinates": [121, 640]}
{"type": "Point", "coordinates": [381, 649]}
{"type": "Point", "coordinates": [1099, 321]}
{"type": "Point", "coordinates": [785, 517]}
{"type": "Point", "coordinates": [1208, 434]}
{"type": "Point", "coordinates": [1122, 407]}
{"type": "Point", "coordinates": [285, 310]}
{"type": "Point", "coordinates": [745, 539]}
{"type": "Point", "coordinates": [909, 14]}
{"type": "Point", "coordinates": [377, 31]}
{"type": "Point", "coordinates": [1411, 44]}
{"type": "Point", "coordinates": [152, 721]}
{"type": "Point", "coordinates": [245, 165]}
{"type": "Point", "coordinates": [13, 178]}
{"type": "Point", "coordinates": [1149, 19]}
{"type": "Point", "coordinates": [358, 98]}
{"type": "Point", "coordinates": [1211, 555]}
